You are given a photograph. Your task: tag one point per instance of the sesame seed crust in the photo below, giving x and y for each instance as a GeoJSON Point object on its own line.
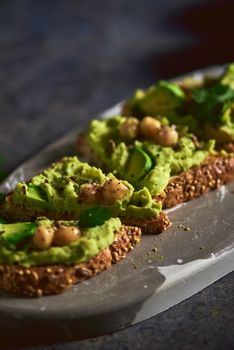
{"type": "Point", "coordinates": [37, 281]}
{"type": "Point", "coordinates": [153, 225]}
{"type": "Point", "coordinates": [214, 172]}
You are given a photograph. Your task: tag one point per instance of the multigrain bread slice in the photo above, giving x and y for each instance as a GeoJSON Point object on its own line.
{"type": "Point", "coordinates": [193, 183]}
{"type": "Point", "coordinates": [212, 173]}
{"type": "Point", "coordinates": [153, 225]}
{"type": "Point", "coordinates": [203, 103]}
{"type": "Point", "coordinates": [37, 281]}
{"type": "Point", "coordinates": [104, 191]}
{"type": "Point", "coordinates": [172, 129]}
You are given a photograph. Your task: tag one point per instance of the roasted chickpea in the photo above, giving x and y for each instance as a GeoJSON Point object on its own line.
{"type": "Point", "coordinates": [129, 129]}
{"type": "Point", "coordinates": [43, 237]}
{"type": "Point", "coordinates": [114, 190]}
{"type": "Point", "coordinates": [167, 136]}
{"type": "Point", "coordinates": [65, 235]}
{"type": "Point", "coordinates": [90, 193]}
{"type": "Point", "coordinates": [149, 127]}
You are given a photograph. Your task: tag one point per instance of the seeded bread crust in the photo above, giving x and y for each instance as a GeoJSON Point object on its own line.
{"type": "Point", "coordinates": [14, 213]}
{"type": "Point", "coordinates": [153, 225]}
{"type": "Point", "coordinates": [193, 183]}
{"type": "Point", "coordinates": [55, 279]}
{"type": "Point", "coordinates": [228, 147]}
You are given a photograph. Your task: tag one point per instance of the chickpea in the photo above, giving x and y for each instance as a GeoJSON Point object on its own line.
{"type": "Point", "coordinates": [65, 235]}
{"type": "Point", "coordinates": [114, 190]}
{"type": "Point", "coordinates": [129, 129]}
{"type": "Point", "coordinates": [149, 127]}
{"type": "Point", "coordinates": [167, 136]}
{"type": "Point", "coordinates": [43, 237]}
{"type": "Point", "coordinates": [90, 193]}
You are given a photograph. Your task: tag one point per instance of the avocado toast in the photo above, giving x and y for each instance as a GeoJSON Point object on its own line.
{"type": "Point", "coordinates": [162, 160]}
{"type": "Point", "coordinates": [47, 257]}
{"type": "Point", "coordinates": [176, 139]}
{"type": "Point", "coordinates": [69, 188]}
{"type": "Point", "coordinates": [205, 107]}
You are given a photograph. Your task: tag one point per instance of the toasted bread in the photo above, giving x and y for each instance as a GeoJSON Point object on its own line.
{"type": "Point", "coordinates": [154, 225]}
{"type": "Point", "coordinates": [37, 281]}
{"type": "Point", "coordinates": [211, 174]}
{"type": "Point", "coordinates": [19, 211]}
{"type": "Point", "coordinates": [192, 183]}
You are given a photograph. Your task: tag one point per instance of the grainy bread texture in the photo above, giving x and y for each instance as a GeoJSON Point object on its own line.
{"type": "Point", "coordinates": [54, 279]}
{"type": "Point", "coordinates": [193, 183]}
{"type": "Point", "coordinates": [153, 225]}
{"type": "Point", "coordinates": [14, 213]}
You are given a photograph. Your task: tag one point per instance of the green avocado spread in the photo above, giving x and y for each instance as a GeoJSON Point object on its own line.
{"type": "Point", "coordinates": [163, 98]}
{"type": "Point", "coordinates": [202, 113]}
{"type": "Point", "coordinates": [144, 163]}
{"type": "Point", "coordinates": [57, 189]}
{"type": "Point", "coordinates": [90, 243]}
{"type": "Point", "coordinates": [206, 107]}
{"type": "Point", "coordinates": [191, 119]}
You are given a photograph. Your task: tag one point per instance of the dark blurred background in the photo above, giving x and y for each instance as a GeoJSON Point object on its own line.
{"type": "Point", "coordinates": [63, 61]}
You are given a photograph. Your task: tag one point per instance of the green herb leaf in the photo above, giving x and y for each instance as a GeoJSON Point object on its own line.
{"type": "Point", "coordinates": [95, 216]}
{"type": "Point", "coordinates": [208, 102]}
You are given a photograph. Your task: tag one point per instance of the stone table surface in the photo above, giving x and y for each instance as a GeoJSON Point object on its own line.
{"type": "Point", "coordinates": [61, 62]}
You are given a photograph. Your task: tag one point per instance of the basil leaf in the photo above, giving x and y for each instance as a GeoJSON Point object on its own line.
{"type": "Point", "coordinates": [95, 216]}
{"type": "Point", "coordinates": [207, 103]}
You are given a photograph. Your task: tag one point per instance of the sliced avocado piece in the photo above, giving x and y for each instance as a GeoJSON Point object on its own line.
{"type": "Point", "coordinates": [33, 196]}
{"type": "Point", "coordinates": [14, 233]}
{"type": "Point", "coordinates": [139, 164]}
{"type": "Point", "coordinates": [95, 216]}
{"type": "Point", "coordinates": [162, 99]}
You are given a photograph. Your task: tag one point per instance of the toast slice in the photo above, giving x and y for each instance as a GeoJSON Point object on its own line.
{"type": "Point", "coordinates": [50, 278]}
{"type": "Point", "coordinates": [69, 187]}
{"type": "Point", "coordinates": [203, 104]}
{"type": "Point", "coordinates": [215, 170]}
{"type": "Point", "coordinates": [181, 134]}
{"type": "Point", "coordinates": [193, 183]}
